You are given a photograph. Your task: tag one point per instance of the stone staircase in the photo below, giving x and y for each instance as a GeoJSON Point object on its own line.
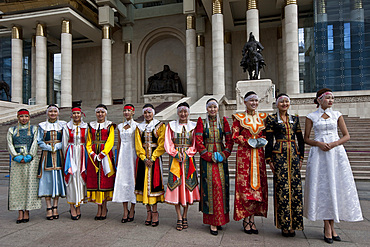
{"type": "Point", "coordinates": [358, 148]}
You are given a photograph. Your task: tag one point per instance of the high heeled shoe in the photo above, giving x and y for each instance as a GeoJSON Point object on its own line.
{"type": "Point", "coordinates": [245, 224]}
{"type": "Point", "coordinates": [155, 223]}
{"type": "Point", "coordinates": [214, 233]}
{"type": "Point", "coordinates": [149, 222]}
{"type": "Point", "coordinates": [327, 240]}
{"type": "Point", "coordinates": [73, 217]}
{"type": "Point", "coordinates": [285, 234]}
{"type": "Point", "coordinates": [49, 217]}
{"type": "Point", "coordinates": [254, 231]}
{"type": "Point", "coordinates": [337, 238]}
{"type": "Point", "coordinates": [130, 219]}
{"type": "Point", "coordinates": [104, 217]}
{"type": "Point", "coordinates": [123, 220]}
{"type": "Point", "coordinates": [55, 216]}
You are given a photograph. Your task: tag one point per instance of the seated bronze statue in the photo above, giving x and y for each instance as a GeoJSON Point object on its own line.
{"type": "Point", "coordinates": [165, 81]}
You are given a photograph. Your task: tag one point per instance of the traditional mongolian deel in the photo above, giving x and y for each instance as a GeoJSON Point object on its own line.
{"type": "Point", "coordinates": [149, 143]}
{"type": "Point", "coordinates": [182, 187]}
{"type": "Point", "coordinates": [124, 187]}
{"type": "Point", "coordinates": [76, 156]}
{"type": "Point", "coordinates": [285, 156]}
{"type": "Point", "coordinates": [23, 183]}
{"type": "Point", "coordinates": [330, 190]}
{"type": "Point", "coordinates": [251, 180]}
{"type": "Point", "coordinates": [51, 160]}
{"type": "Point", "coordinates": [100, 174]}
{"type": "Point", "coordinates": [214, 183]}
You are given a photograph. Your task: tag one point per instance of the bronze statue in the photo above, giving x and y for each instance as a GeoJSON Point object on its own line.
{"type": "Point", "coordinates": [165, 81]}
{"type": "Point", "coordinates": [252, 58]}
{"type": "Point", "coordinates": [5, 86]}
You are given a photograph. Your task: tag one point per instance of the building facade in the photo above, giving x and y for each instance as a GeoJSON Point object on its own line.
{"type": "Point", "coordinates": [109, 48]}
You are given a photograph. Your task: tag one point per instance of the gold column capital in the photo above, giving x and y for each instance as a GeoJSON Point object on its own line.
{"type": "Point", "coordinates": [40, 30]}
{"type": "Point", "coordinates": [200, 40]}
{"type": "Point", "coordinates": [107, 32]}
{"type": "Point", "coordinates": [190, 22]}
{"type": "Point", "coordinates": [217, 7]}
{"type": "Point", "coordinates": [128, 48]}
{"type": "Point", "coordinates": [357, 4]}
{"type": "Point", "coordinates": [227, 38]}
{"type": "Point", "coordinates": [17, 32]}
{"type": "Point", "coordinates": [66, 26]}
{"type": "Point", "coordinates": [252, 4]}
{"type": "Point", "coordinates": [289, 2]}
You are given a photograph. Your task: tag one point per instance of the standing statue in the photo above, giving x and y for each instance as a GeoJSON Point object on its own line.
{"type": "Point", "coordinates": [165, 81]}
{"type": "Point", "coordinates": [5, 86]}
{"type": "Point", "coordinates": [252, 58]}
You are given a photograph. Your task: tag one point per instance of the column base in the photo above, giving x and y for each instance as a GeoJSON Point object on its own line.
{"type": "Point", "coordinates": [265, 90]}
{"type": "Point", "coordinates": [160, 98]}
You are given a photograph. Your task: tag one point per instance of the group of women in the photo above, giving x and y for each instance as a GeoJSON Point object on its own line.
{"type": "Point", "coordinates": [77, 161]}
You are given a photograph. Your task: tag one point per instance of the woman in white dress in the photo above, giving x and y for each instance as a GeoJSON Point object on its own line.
{"type": "Point", "coordinates": [124, 187]}
{"type": "Point", "coordinates": [330, 190]}
{"type": "Point", "coordinates": [74, 149]}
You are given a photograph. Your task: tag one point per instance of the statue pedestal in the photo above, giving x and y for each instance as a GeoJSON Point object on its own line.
{"type": "Point", "coordinates": [160, 98]}
{"type": "Point", "coordinates": [265, 90]}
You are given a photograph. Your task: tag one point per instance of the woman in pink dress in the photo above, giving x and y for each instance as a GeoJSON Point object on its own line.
{"type": "Point", "coordinates": [182, 187]}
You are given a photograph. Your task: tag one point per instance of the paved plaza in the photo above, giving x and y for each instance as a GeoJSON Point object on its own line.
{"type": "Point", "coordinates": [111, 232]}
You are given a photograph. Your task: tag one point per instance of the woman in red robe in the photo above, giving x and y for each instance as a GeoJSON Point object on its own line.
{"type": "Point", "coordinates": [214, 171]}
{"type": "Point", "coordinates": [251, 180]}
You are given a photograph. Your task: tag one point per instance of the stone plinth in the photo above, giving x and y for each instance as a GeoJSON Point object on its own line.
{"type": "Point", "coordinates": [160, 98]}
{"type": "Point", "coordinates": [264, 88]}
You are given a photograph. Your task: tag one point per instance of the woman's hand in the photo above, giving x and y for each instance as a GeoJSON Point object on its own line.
{"type": "Point", "coordinates": [332, 145]}
{"type": "Point", "coordinates": [148, 163]}
{"type": "Point", "coordinates": [323, 146]}
{"type": "Point", "coordinates": [300, 164]}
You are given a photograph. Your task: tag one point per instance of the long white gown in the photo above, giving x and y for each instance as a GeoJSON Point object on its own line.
{"type": "Point", "coordinates": [124, 187]}
{"type": "Point", "coordinates": [74, 149]}
{"type": "Point", "coordinates": [330, 190]}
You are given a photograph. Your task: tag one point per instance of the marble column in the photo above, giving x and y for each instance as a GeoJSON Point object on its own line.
{"type": "Point", "coordinates": [252, 18]}
{"type": "Point", "coordinates": [128, 74]}
{"type": "Point", "coordinates": [107, 66]}
{"type": "Point", "coordinates": [17, 65]}
{"type": "Point", "coordinates": [201, 77]}
{"type": "Point", "coordinates": [229, 84]}
{"type": "Point", "coordinates": [191, 59]}
{"type": "Point", "coordinates": [280, 57]}
{"type": "Point", "coordinates": [291, 46]}
{"type": "Point", "coordinates": [218, 55]}
{"type": "Point", "coordinates": [33, 67]}
{"type": "Point", "coordinates": [41, 64]}
{"type": "Point", "coordinates": [66, 64]}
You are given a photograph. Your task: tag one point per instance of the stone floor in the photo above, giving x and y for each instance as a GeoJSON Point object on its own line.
{"type": "Point", "coordinates": [111, 232]}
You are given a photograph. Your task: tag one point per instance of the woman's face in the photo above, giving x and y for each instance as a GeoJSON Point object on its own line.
{"type": "Point", "coordinates": [183, 116]}
{"type": "Point", "coordinates": [148, 115]}
{"type": "Point", "coordinates": [53, 114]}
{"type": "Point", "coordinates": [327, 101]}
{"type": "Point", "coordinates": [100, 116]}
{"type": "Point", "coordinates": [76, 116]}
{"type": "Point", "coordinates": [128, 114]}
{"type": "Point", "coordinates": [212, 110]}
{"type": "Point", "coordinates": [251, 104]}
{"type": "Point", "coordinates": [283, 104]}
{"type": "Point", "coordinates": [24, 119]}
